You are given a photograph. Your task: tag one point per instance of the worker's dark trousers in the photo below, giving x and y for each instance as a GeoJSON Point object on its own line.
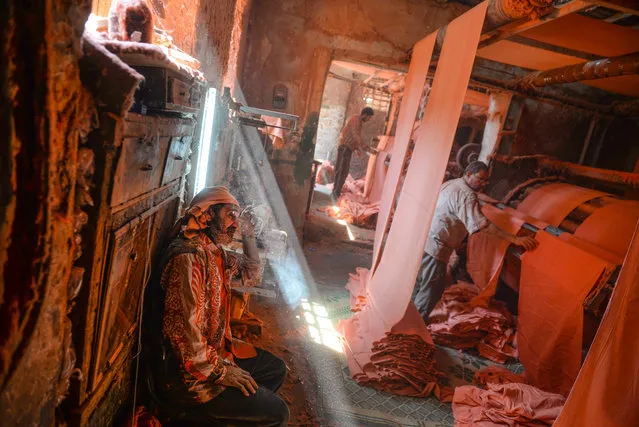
{"type": "Point", "coordinates": [264, 408]}
{"type": "Point", "coordinates": [430, 284]}
{"type": "Point", "coordinates": [342, 166]}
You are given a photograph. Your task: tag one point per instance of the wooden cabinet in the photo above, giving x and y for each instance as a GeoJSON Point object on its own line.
{"type": "Point", "coordinates": [139, 168]}
{"type": "Point", "coordinates": [177, 158]}
{"type": "Point", "coordinates": [142, 165]}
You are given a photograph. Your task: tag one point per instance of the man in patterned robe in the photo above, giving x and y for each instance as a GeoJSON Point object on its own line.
{"type": "Point", "coordinates": [206, 373]}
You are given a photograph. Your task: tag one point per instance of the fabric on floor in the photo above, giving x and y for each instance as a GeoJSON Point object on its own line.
{"type": "Point", "coordinates": [511, 404]}
{"type": "Point", "coordinates": [553, 202]}
{"type": "Point", "coordinates": [486, 252]}
{"type": "Point", "coordinates": [390, 288]}
{"type": "Point", "coordinates": [404, 365]}
{"type": "Point", "coordinates": [496, 375]}
{"type": "Point", "coordinates": [456, 323]}
{"type": "Point", "coordinates": [611, 226]}
{"type": "Point", "coordinates": [555, 279]}
{"type": "Point", "coordinates": [325, 173]}
{"type": "Point", "coordinates": [607, 389]}
{"type": "Point", "coordinates": [352, 206]}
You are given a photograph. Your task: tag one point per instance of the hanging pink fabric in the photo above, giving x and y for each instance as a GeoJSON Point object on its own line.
{"type": "Point", "coordinates": [415, 80]}
{"type": "Point", "coordinates": [391, 285]}
{"type": "Point", "coordinates": [377, 169]}
{"type": "Point", "coordinates": [607, 389]}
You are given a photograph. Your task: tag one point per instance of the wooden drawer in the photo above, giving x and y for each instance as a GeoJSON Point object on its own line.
{"type": "Point", "coordinates": [163, 222]}
{"type": "Point", "coordinates": [121, 291]}
{"type": "Point", "coordinates": [139, 167]}
{"type": "Point", "coordinates": [176, 161]}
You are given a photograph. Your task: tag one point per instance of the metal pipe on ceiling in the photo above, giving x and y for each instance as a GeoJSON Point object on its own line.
{"type": "Point", "coordinates": [590, 70]}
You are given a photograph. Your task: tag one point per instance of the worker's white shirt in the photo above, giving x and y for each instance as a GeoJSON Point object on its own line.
{"type": "Point", "coordinates": [457, 214]}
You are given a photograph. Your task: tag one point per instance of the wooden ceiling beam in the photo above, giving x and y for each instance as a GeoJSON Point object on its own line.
{"type": "Point", "coordinates": [513, 28]}
{"type": "Point", "coordinates": [630, 7]}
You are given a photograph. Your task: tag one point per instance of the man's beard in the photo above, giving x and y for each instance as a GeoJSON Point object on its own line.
{"type": "Point", "coordinates": [221, 237]}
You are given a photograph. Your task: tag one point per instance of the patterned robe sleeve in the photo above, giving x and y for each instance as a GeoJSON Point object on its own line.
{"type": "Point", "coordinates": [183, 323]}
{"type": "Point", "coordinates": [250, 270]}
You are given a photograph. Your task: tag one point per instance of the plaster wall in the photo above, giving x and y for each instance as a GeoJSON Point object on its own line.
{"type": "Point", "coordinates": [284, 34]}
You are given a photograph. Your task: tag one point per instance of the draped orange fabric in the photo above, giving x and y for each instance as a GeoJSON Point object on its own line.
{"type": "Point", "coordinates": [390, 287]}
{"type": "Point", "coordinates": [486, 253]}
{"type": "Point", "coordinates": [553, 202]}
{"type": "Point", "coordinates": [606, 393]}
{"type": "Point", "coordinates": [611, 226]}
{"type": "Point", "coordinates": [555, 279]}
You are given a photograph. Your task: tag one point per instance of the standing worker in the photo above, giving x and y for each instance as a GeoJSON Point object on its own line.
{"type": "Point", "coordinates": [457, 214]}
{"type": "Point", "coordinates": [350, 140]}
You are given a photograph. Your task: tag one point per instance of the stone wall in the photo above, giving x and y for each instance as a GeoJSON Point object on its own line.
{"type": "Point", "coordinates": [332, 117]}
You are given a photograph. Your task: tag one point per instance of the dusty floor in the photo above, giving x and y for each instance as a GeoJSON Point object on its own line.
{"type": "Point", "coordinates": [318, 389]}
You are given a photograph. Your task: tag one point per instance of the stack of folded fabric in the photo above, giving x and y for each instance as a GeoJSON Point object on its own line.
{"type": "Point", "coordinates": [404, 365]}
{"type": "Point", "coordinates": [457, 323]}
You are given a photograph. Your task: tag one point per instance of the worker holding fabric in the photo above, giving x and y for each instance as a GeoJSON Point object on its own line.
{"type": "Point", "coordinates": [350, 140]}
{"type": "Point", "coordinates": [202, 369]}
{"type": "Point", "coordinates": [457, 214]}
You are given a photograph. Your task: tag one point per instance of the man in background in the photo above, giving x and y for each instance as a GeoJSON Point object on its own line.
{"type": "Point", "coordinates": [457, 214]}
{"type": "Point", "coordinates": [350, 140]}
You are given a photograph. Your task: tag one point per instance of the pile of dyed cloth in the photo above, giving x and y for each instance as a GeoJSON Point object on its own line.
{"type": "Point", "coordinates": [404, 365]}
{"type": "Point", "coordinates": [353, 207]}
{"type": "Point", "coordinates": [325, 173]}
{"type": "Point", "coordinates": [510, 404]}
{"type": "Point", "coordinates": [496, 375]}
{"type": "Point", "coordinates": [456, 323]}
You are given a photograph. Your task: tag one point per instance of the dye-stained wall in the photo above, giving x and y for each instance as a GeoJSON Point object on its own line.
{"type": "Point", "coordinates": [43, 187]}
{"type": "Point", "coordinates": [292, 42]}
{"type": "Point", "coordinates": [40, 129]}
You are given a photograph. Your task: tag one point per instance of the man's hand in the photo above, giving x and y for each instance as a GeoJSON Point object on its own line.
{"type": "Point", "coordinates": [239, 378]}
{"type": "Point", "coordinates": [486, 199]}
{"type": "Point", "coordinates": [247, 226]}
{"type": "Point", "coordinates": [526, 242]}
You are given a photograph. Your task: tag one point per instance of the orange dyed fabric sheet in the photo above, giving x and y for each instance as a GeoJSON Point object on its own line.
{"type": "Point", "coordinates": [555, 279]}
{"type": "Point", "coordinates": [611, 226]}
{"type": "Point", "coordinates": [553, 202]}
{"type": "Point", "coordinates": [606, 392]}
{"type": "Point", "coordinates": [486, 253]}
